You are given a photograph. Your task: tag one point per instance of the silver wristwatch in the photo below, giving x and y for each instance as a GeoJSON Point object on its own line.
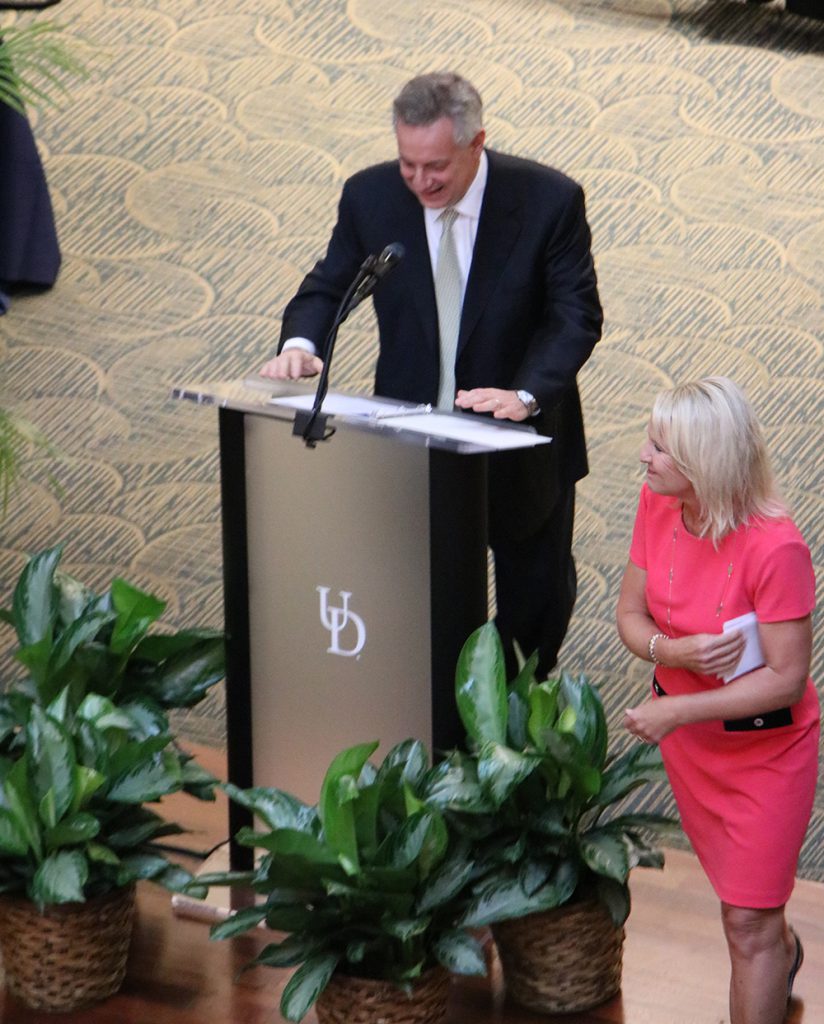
{"type": "Point", "coordinates": [529, 401]}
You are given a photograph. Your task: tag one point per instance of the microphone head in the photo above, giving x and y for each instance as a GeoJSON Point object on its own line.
{"type": "Point", "coordinates": [389, 257]}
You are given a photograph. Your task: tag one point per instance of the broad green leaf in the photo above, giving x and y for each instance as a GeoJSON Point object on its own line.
{"type": "Point", "coordinates": [616, 898]}
{"type": "Point", "coordinates": [77, 829]}
{"type": "Point", "coordinates": [13, 841]}
{"type": "Point", "coordinates": [34, 604]}
{"type": "Point", "coordinates": [101, 854]}
{"type": "Point", "coordinates": [291, 918]}
{"type": "Point", "coordinates": [503, 899]}
{"type": "Point", "coordinates": [136, 611]}
{"type": "Point", "coordinates": [87, 781]}
{"type": "Point", "coordinates": [19, 801]}
{"type": "Point", "coordinates": [76, 634]}
{"type": "Point", "coordinates": [240, 921]}
{"type": "Point", "coordinates": [287, 843]}
{"type": "Point", "coordinates": [161, 646]}
{"type": "Point", "coordinates": [58, 709]}
{"type": "Point", "coordinates": [480, 686]}
{"type": "Point", "coordinates": [306, 984]}
{"type": "Point", "coordinates": [543, 711]}
{"type": "Point", "coordinates": [405, 929]}
{"type": "Point", "coordinates": [104, 713]}
{"type": "Point", "coordinates": [421, 841]}
{"type": "Point", "coordinates": [517, 731]}
{"type": "Point", "coordinates": [35, 657]}
{"type": "Point", "coordinates": [570, 755]}
{"type": "Point", "coordinates": [141, 866]}
{"type": "Point", "coordinates": [60, 878]}
{"type": "Point", "coordinates": [275, 808]}
{"type": "Point", "coordinates": [501, 769]}
{"type": "Point", "coordinates": [366, 810]}
{"type": "Point", "coordinates": [146, 716]}
{"type": "Point", "coordinates": [590, 721]}
{"type": "Point", "coordinates": [447, 880]}
{"type": "Point", "coordinates": [338, 817]}
{"type": "Point", "coordinates": [453, 784]}
{"type": "Point", "coordinates": [640, 764]}
{"type": "Point", "coordinates": [177, 879]}
{"type": "Point", "coordinates": [460, 953]}
{"type": "Point", "coordinates": [567, 720]}
{"type": "Point", "coordinates": [53, 763]}
{"type": "Point", "coordinates": [525, 679]}
{"type": "Point", "coordinates": [605, 853]}
{"type": "Point", "coordinates": [196, 775]}
{"type": "Point", "coordinates": [412, 758]}
{"type": "Point", "coordinates": [46, 809]}
{"type": "Point", "coordinates": [552, 821]}
{"type": "Point", "coordinates": [148, 781]}
{"type": "Point", "coordinates": [185, 678]}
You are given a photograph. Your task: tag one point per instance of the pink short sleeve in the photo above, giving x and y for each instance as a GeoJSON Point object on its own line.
{"type": "Point", "coordinates": [638, 546]}
{"type": "Point", "coordinates": [784, 585]}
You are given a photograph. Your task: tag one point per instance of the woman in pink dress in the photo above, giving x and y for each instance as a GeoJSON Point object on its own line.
{"type": "Point", "coordinates": [734, 710]}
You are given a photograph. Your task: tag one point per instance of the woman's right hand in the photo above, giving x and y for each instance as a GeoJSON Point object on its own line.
{"type": "Point", "coordinates": [712, 654]}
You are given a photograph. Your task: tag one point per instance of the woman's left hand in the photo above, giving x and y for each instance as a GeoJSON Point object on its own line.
{"type": "Point", "coordinates": [652, 720]}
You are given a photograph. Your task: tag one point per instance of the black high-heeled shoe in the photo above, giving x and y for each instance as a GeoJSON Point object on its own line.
{"type": "Point", "coordinates": [798, 960]}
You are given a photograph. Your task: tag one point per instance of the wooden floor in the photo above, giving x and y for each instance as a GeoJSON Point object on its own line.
{"type": "Point", "coordinates": [675, 965]}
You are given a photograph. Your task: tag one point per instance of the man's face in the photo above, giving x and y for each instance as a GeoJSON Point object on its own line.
{"type": "Point", "coordinates": [433, 165]}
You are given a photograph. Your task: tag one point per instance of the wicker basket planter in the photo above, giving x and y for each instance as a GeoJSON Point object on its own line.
{"type": "Point", "coordinates": [561, 961]}
{"type": "Point", "coordinates": [350, 1000]}
{"type": "Point", "coordinates": [72, 955]}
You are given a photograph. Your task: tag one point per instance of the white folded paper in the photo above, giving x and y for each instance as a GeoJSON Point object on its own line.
{"type": "Point", "coordinates": [752, 656]}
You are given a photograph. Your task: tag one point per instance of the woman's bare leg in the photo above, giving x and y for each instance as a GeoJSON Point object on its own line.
{"type": "Point", "coordinates": [761, 954]}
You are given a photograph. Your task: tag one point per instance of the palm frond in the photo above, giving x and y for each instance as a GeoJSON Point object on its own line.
{"type": "Point", "coordinates": [35, 65]}
{"type": "Point", "coordinates": [16, 434]}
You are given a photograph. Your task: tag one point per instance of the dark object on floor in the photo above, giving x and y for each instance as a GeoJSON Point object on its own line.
{"type": "Point", "coordinates": [797, 962]}
{"type": "Point", "coordinates": [809, 8]}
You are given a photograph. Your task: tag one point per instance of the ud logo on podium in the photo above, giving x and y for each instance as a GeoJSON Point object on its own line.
{"type": "Point", "coordinates": [339, 618]}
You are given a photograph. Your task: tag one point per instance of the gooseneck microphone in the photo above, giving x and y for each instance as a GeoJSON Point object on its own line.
{"type": "Point", "coordinates": [311, 426]}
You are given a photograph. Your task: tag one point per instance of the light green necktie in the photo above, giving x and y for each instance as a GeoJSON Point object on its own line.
{"type": "Point", "coordinates": [449, 298]}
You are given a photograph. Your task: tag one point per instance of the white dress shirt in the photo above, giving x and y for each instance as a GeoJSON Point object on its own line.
{"type": "Point", "coordinates": [464, 230]}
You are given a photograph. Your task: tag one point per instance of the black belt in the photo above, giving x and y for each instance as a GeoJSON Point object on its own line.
{"type": "Point", "coordinates": [754, 723]}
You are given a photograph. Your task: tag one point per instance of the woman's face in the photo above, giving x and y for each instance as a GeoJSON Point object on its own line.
{"type": "Point", "coordinates": [663, 474]}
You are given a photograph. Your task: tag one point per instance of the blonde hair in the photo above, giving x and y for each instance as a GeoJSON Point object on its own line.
{"type": "Point", "coordinates": [712, 433]}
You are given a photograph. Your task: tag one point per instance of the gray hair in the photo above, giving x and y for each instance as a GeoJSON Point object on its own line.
{"type": "Point", "coordinates": [427, 98]}
{"type": "Point", "coordinates": [712, 433]}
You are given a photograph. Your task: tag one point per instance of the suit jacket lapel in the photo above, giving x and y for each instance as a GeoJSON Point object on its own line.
{"type": "Point", "coordinates": [498, 230]}
{"type": "Point", "coordinates": [418, 266]}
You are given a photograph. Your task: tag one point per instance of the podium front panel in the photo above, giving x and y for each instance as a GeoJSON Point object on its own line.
{"type": "Point", "coordinates": [339, 598]}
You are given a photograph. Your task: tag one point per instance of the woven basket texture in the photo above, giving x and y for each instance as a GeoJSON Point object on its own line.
{"type": "Point", "coordinates": [562, 960]}
{"type": "Point", "coordinates": [72, 955]}
{"type": "Point", "coordinates": [348, 1000]}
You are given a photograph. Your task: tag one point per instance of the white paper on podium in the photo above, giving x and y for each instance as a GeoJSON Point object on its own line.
{"type": "Point", "coordinates": [752, 656]}
{"type": "Point", "coordinates": [421, 419]}
{"type": "Point", "coordinates": [341, 405]}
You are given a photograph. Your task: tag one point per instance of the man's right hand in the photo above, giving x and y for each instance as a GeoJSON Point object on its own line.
{"type": "Point", "coordinates": [292, 364]}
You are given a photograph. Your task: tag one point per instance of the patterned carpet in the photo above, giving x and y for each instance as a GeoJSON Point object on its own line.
{"type": "Point", "coordinates": [195, 178]}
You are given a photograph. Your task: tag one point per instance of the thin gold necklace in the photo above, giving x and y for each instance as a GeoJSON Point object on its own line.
{"type": "Point", "coordinates": [671, 574]}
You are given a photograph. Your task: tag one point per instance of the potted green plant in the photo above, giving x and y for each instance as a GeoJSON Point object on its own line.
{"type": "Point", "coordinates": [85, 745]}
{"type": "Point", "coordinates": [368, 884]}
{"type": "Point", "coordinates": [538, 798]}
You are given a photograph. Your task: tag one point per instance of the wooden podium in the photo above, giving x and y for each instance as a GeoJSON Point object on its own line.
{"type": "Point", "coordinates": [354, 572]}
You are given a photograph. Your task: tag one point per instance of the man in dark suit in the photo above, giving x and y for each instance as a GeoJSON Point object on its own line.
{"type": "Point", "coordinates": [493, 309]}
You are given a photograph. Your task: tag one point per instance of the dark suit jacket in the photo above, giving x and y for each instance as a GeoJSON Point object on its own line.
{"type": "Point", "coordinates": [531, 312]}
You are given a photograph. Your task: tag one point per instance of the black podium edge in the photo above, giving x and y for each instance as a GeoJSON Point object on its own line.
{"type": "Point", "coordinates": [239, 763]}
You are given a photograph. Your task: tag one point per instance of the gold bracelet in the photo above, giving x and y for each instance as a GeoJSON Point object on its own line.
{"type": "Point", "coordinates": [653, 640]}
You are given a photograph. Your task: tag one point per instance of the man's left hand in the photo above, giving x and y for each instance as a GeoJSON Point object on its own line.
{"type": "Point", "coordinates": [504, 405]}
